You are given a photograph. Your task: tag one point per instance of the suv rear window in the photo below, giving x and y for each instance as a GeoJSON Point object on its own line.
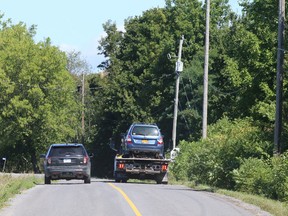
{"type": "Point", "coordinates": [69, 150]}
{"type": "Point", "coordinates": [145, 131]}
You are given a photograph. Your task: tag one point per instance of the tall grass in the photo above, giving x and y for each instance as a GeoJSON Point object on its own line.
{"type": "Point", "coordinates": [11, 185]}
{"type": "Point", "coordinates": [274, 207]}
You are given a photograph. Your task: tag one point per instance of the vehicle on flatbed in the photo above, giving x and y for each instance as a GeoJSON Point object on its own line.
{"type": "Point", "coordinates": [141, 155]}
{"type": "Point", "coordinates": [143, 140]}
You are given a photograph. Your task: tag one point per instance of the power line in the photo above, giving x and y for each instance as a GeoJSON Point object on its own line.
{"type": "Point", "coordinates": [183, 116]}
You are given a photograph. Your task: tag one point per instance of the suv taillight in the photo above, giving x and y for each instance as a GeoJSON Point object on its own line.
{"type": "Point", "coordinates": [85, 160]}
{"type": "Point", "coordinates": [160, 141]}
{"type": "Point", "coordinates": [129, 139]}
{"type": "Point", "coordinates": [49, 160]}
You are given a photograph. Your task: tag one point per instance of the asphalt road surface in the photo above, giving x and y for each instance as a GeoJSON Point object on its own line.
{"type": "Point", "coordinates": [104, 197]}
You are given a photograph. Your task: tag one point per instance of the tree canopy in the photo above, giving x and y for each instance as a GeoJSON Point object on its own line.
{"type": "Point", "coordinates": [37, 104]}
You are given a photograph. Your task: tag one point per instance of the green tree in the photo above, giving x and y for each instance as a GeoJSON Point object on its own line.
{"type": "Point", "coordinates": [139, 79]}
{"type": "Point", "coordinates": [246, 66]}
{"type": "Point", "coordinates": [37, 97]}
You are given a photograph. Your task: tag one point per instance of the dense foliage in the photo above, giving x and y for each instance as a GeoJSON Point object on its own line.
{"type": "Point", "coordinates": [264, 177]}
{"type": "Point", "coordinates": [37, 104]}
{"type": "Point", "coordinates": [212, 161]}
{"type": "Point", "coordinates": [238, 156]}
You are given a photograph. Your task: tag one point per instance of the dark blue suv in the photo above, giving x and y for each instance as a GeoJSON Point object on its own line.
{"type": "Point", "coordinates": [67, 161]}
{"type": "Point", "coordinates": [143, 140]}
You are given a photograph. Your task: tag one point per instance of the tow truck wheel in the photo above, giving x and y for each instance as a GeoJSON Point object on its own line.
{"type": "Point", "coordinates": [162, 182]}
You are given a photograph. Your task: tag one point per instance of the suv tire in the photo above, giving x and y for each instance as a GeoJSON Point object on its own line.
{"type": "Point", "coordinates": [47, 180]}
{"type": "Point", "coordinates": [87, 180]}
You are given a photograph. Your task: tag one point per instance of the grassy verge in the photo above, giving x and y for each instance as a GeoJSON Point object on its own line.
{"type": "Point", "coordinates": [11, 185]}
{"type": "Point", "coordinates": [274, 207]}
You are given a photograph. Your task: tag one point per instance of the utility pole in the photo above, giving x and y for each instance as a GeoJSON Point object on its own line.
{"type": "Point", "coordinates": [206, 64]}
{"type": "Point", "coordinates": [280, 70]}
{"type": "Point", "coordinates": [83, 107]}
{"type": "Point", "coordinates": [178, 70]}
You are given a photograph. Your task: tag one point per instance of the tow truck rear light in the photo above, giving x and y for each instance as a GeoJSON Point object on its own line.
{"type": "Point", "coordinates": [164, 167]}
{"type": "Point", "coordinates": [129, 139]}
{"type": "Point", "coordinates": [121, 165]}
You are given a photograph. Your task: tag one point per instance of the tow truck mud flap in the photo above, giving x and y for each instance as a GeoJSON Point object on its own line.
{"type": "Point", "coordinates": [165, 178]}
{"type": "Point", "coordinates": [162, 178]}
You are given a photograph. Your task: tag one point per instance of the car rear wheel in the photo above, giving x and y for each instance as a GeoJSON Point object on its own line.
{"type": "Point", "coordinates": [47, 180]}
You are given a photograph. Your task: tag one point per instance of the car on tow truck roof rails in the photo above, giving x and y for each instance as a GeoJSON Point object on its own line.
{"type": "Point", "coordinates": [143, 139]}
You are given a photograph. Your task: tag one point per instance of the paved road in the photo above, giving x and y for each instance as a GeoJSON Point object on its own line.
{"type": "Point", "coordinates": [103, 197]}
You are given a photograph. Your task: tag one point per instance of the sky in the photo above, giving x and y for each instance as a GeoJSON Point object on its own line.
{"type": "Point", "coordinates": [77, 25]}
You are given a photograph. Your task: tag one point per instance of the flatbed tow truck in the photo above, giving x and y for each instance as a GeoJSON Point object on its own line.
{"type": "Point", "coordinates": [141, 155]}
{"type": "Point", "coordinates": [141, 168]}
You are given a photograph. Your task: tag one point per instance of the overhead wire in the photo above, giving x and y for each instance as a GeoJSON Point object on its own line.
{"type": "Point", "coordinates": [184, 88]}
{"type": "Point", "coordinates": [183, 116]}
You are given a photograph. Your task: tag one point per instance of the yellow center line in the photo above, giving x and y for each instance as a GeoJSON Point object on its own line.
{"type": "Point", "coordinates": [137, 213]}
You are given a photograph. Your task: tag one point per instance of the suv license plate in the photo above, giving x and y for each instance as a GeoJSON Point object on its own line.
{"type": "Point", "coordinates": [145, 141]}
{"type": "Point", "coordinates": [67, 161]}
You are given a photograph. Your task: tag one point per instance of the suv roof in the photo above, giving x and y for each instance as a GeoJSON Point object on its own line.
{"type": "Point", "coordinates": [67, 144]}
{"type": "Point", "coordinates": [142, 123]}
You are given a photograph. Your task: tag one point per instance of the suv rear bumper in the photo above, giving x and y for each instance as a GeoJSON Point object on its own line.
{"type": "Point", "coordinates": [64, 172]}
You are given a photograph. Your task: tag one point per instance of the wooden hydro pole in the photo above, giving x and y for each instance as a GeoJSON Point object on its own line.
{"type": "Point", "coordinates": [206, 64]}
{"type": "Point", "coordinates": [279, 79]}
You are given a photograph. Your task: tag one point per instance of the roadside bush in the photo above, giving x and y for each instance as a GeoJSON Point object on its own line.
{"type": "Point", "coordinates": [280, 176]}
{"type": "Point", "coordinates": [193, 158]}
{"type": "Point", "coordinates": [254, 176]}
{"type": "Point", "coordinates": [268, 178]}
{"type": "Point", "coordinates": [212, 161]}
